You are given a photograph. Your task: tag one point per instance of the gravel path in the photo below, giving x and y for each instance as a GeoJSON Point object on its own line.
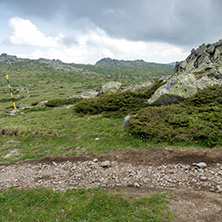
{"type": "Point", "coordinates": [193, 171]}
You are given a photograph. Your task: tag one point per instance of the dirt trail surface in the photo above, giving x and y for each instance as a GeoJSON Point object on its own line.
{"type": "Point", "coordinates": [194, 176]}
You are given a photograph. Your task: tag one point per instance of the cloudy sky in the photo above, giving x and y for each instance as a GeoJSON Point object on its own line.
{"type": "Point", "coordinates": [84, 31]}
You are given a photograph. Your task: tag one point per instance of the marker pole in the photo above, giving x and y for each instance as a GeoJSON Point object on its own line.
{"type": "Point", "coordinates": [9, 86]}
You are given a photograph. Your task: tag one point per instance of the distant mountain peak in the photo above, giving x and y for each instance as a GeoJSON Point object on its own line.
{"type": "Point", "coordinates": [109, 61]}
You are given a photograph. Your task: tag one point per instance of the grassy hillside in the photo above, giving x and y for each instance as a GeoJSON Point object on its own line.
{"type": "Point", "coordinates": [38, 80]}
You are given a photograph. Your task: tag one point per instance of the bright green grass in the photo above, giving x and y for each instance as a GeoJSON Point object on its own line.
{"type": "Point", "coordinates": [52, 132]}
{"type": "Point", "coordinates": [81, 205]}
{"type": "Point", "coordinates": [61, 132]}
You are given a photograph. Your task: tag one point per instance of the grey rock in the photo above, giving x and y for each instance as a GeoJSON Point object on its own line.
{"type": "Point", "coordinates": [126, 121]}
{"type": "Point", "coordinates": [69, 106]}
{"type": "Point", "coordinates": [201, 165]}
{"type": "Point", "coordinates": [14, 112]}
{"type": "Point", "coordinates": [175, 90]}
{"type": "Point", "coordinates": [24, 106]}
{"type": "Point", "coordinates": [211, 49]}
{"type": "Point", "coordinates": [106, 164]}
{"type": "Point", "coordinates": [42, 103]}
{"type": "Point", "coordinates": [111, 87]}
{"type": "Point", "coordinates": [202, 178]}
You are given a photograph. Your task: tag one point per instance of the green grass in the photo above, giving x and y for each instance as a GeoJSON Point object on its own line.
{"type": "Point", "coordinates": [60, 132]}
{"type": "Point", "coordinates": [33, 82]}
{"type": "Point", "coordinates": [81, 205]}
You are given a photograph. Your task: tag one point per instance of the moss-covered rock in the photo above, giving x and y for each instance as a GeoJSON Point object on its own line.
{"type": "Point", "coordinates": [110, 87]}
{"type": "Point", "coordinates": [175, 90]}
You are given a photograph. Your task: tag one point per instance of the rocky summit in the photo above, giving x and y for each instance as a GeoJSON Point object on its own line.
{"type": "Point", "coordinates": [202, 68]}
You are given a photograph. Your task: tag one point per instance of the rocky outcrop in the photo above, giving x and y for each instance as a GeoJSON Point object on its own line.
{"type": "Point", "coordinates": [202, 68]}
{"type": "Point", "coordinates": [204, 57]}
{"type": "Point", "coordinates": [180, 87]}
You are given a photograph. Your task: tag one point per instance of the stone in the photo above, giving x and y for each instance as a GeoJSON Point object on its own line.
{"type": "Point", "coordinates": [106, 164]}
{"type": "Point", "coordinates": [175, 90]}
{"type": "Point", "coordinates": [201, 165]}
{"type": "Point", "coordinates": [42, 103]}
{"type": "Point", "coordinates": [24, 106]}
{"type": "Point", "coordinates": [14, 112]}
{"type": "Point", "coordinates": [216, 55]}
{"type": "Point", "coordinates": [206, 82]}
{"type": "Point", "coordinates": [211, 49]}
{"type": "Point", "coordinates": [126, 121]}
{"type": "Point", "coordinates": [87, 95]}
{"type": "Point", "coordinates": [111, 87]}
{"type": "Point", "coordinates": [69, 106]}
{"type": "Point", "coordinates": [202, 178]}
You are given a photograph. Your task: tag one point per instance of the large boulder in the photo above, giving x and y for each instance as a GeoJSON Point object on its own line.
{"type": "Point", "coordinates": [175, 90]}
{"type": "Point", "coordinates": [111, 87]}
{"type": "Point", "coordinates": [180, 87]}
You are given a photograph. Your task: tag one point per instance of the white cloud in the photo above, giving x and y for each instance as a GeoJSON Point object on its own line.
{"type": "Point", "coordinates": [88, 47]}
{"type": "Point", "coordinates": [26, 33]}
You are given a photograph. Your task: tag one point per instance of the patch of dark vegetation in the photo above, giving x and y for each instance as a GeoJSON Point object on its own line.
{"type": "Point", "coordinates": [61, 102]}
{"type": "Point", "coordinates": [198, 120]}
{"type": "Point", "coordinates": [36, 109]}
{"type": "Point", "coordinates": [9, 132]}
{"type": "Point", "coordinates": [116, 105]}
{"type": "Point", "coordinates": [4, 100]}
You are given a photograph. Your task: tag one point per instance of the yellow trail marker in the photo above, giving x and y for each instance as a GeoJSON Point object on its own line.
{"type": "Point", "coordinates": [9, 86]}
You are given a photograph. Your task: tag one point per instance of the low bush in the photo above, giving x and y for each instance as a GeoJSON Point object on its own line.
{"type": "Point", "coordinates": [197, 121]}
{"type": "Point", "coordinates": [61, 102]}
{"type": "Point", "coordinates": [116, 105]}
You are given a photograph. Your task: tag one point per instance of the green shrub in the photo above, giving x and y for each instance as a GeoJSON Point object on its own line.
{"type": "Point", "coordinates": [61, 102]}
{"type": "Point", "coordinates": [175, 123]}
{"type": "Point", "coordinates": [211, 95]}
{"type": "Point", "coordinates": [110, 103]}
{"type": "Point", "coordinates": [117, 105]}
{"type": "Point", "coordinates": [197, 120]}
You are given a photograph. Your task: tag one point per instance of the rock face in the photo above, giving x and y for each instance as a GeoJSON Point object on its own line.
{"type": "Point", "coordinates": [202, 68]}
{"type": "Point", "coordinates": [204, 57]}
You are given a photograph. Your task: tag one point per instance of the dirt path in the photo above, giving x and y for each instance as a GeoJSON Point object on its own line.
{"type": "Point", "coordinates": [194, 176]}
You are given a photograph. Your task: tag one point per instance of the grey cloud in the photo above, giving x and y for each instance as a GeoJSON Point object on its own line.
{"type": "Point", "coordinates": [181, 22]}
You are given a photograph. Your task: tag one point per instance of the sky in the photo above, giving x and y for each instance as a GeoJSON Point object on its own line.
{"type": "Point", "coordinates": [84, 31]}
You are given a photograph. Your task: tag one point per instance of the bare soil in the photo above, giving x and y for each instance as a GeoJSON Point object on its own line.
{"type": "Point", "coordinates": [137, 172]}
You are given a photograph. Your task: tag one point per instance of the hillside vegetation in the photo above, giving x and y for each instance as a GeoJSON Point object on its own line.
{"type": "Point", "coordinates": [38, 80]}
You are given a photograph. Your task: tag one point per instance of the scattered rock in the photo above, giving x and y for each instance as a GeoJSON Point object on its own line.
{"type": "Point", "coordinates": [14, 112]}
{"type": "Point", "coordinates": [126, 121]}
{"type": "Point", "coordinates": [24, 106]}
{"type": "Point", "coordinates": [106, 164]}
{"type": "Point", "coordinates": [201, 165]}
{"type": "Point", "coordinates": [111, 87]}
{"type": "Point", "coordinates": [42, 103]}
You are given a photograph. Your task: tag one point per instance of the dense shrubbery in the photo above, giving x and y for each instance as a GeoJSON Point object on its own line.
{"type": "Point", "coordinates": [197, 120]}
{"type": "Point", "coordinates": [118, 104]}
